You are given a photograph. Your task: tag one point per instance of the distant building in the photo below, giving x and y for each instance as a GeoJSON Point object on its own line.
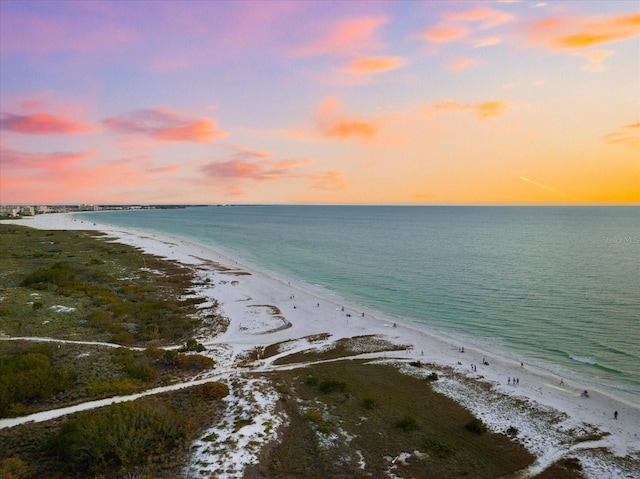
{"type": "Point", "coordinates": [9, 211]}
{"type": "Point", "coordinates": [88, 208]}
{"type": "Point", "coordinates": [27, 211]}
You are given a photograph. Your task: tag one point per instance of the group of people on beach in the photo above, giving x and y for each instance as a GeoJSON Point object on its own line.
{"type": "Point", "coordinates": [515, 381]}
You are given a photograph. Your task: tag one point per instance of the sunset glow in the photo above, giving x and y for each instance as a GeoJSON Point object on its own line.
{"type": "Point", "coordinates": [434, 102]}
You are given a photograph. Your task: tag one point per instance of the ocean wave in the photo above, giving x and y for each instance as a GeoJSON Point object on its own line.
{"type": "Point", "coordinates": [584, 360]}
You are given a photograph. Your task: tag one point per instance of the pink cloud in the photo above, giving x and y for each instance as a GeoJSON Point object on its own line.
{"type": "Point", "coordinates": [484, 17]}
{"type": "Point", "coordinates": [628, 135]}
{"type": "Point", "coordinates": [41, 124]}
{"type": "Point", "coordinates": [19, 160]}
{"type": "Point", "coordinates": [332, 180]}
{"type": "Point", "coordinates": [335, 124]}
{"type": "Point", "coordinates": [252, 165]}
{"type": "Point", "coordinates": [454, 26]}
{"type": "Point", "coordinates": [68, 108]}
{"type": "Point", "coordinates": [463, 63]}
{"type": "Point", "coordinates": [164, 125]}
{"type": "Point", "coordinates": [48, 176]}
{"type": "Point", "coordinates": [164, 169]}
{"type": "Point", "coordinates": [445, 33]}
{"type": "Point", "coordinates": [487, 42]}
{"type": "Point", "coordinates": [482, 110]}
{"type": "Point", "coordinates": [347, 37]}
{"type": "Point", "coordinates": [232, 169]}
{"type": "Point", "coordinates": [570, 33]}
{"type": "Point", "coordinates": [375, 64]}
{"type": "Point", "coordinates": [287, 164]}
{"type": "Point", "coordinates": [64, 177]}
{"type": "Point", "coordinates": [32, 104]}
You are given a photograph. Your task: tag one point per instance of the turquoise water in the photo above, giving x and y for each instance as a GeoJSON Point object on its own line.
{"type": "Point", "coordinates": [557, 287]}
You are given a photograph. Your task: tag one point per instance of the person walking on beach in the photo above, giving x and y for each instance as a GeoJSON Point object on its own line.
{"type": "Point", "coordinates": [615, 414]}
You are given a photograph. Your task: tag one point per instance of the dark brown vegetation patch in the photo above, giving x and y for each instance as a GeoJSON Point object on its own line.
{"type": "Point", "coordinates": [347, 413]}
{"type": "Point", "coordinates": [342, 348]}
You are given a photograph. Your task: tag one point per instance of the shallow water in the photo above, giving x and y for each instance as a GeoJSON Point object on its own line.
{"type": "Point", "coordinates": [557, 287]}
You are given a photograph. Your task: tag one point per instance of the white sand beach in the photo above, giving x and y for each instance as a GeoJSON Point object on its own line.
{"type": "Point", "coordinates": [552, 411]}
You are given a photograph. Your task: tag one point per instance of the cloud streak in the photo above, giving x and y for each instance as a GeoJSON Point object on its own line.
{"type": "Point", "coordinates": [165, 125]}
{"type": "Point", "coordinates": [348, 37]}
{"type": "Point", "coordinates": [571, 33]}
{"type": "Point", "coordinates": [333, 123]}
{"type": "Point", "coordinates": [628, 135]}
{"type": "Point", "coordinates": [457, 25]}
{"type": "Point", "coordinates": [19, 160]}
{"type": "Point", "coordinates": [463, 63]}
{"type": "Point", "coordinates": [329, 181]}
{"type": "Point", "coordinates": [41, 124]}
{"type": "Point", "coordinates": [244, 167]}
{"type": "Point", "coordinates": [483, 111]}
{"type": "Point", "coordinates": [251, 165]}
{"type": "Point", "coordinates": [375, 64]}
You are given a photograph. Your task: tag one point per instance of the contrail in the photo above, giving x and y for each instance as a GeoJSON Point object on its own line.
{"type": "Point", "coordinates": [546, 187]}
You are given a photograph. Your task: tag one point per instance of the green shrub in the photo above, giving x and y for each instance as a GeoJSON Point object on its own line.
{"type": "Point", "coordinates": [313, 416]}
{"type": "Point", "coordinates": [432, 377]}
{"type": "Point", "coordinates": [369, 403]}
{"type": "Point", "coordinates": [60, 274]}
{"type": "Point", "coordinates": [212, 390]}
{"type": "Point", "coordinates": [112, 387]}
{"type": "Point", "coordinates": [195, 362]}
{"type": "Point", "coordinates": [143, 372]}
{"type": "Point", "coordinates": [99, 318]}
{"type": "Point", "coordinates": [30, 377]}
{"type": "Point", "coordinates": [123, 337]}
{"type": "Point", "coordinates": [14, 468]}
{"type": "Point", "coordinates": [407, 423]}
{"type": "Point", "coordinates": [324, 427]}
{"type": "Point", "coordinates": [438, 448]}
{"type": "Point", "coordinates": [311, 380]}
{"type": "Point", "coordinates": [476, 426]}
{"type": "Point", "coordinates": [192, 345]}
{"type": "Point", "coordinates": [169, 357]}
{"type": "Point", "coordinates": [123, 434]}
{"type": "Point", "coordinates": [331, 386]}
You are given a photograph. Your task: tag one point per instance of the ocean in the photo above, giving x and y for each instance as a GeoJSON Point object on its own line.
{"type": "Point", "coordinates": [555, 287]}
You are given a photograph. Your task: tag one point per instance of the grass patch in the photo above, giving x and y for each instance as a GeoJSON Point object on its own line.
{"type": "Point", "coordinates": [380, 413]}
{"type": "Point", "coordinates": [567, 468]}
{"type": "Point", "coordinates": [78, 285]}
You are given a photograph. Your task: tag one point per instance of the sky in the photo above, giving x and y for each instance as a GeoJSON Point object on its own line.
{"type": "Point", "coordinates": [328, 102]}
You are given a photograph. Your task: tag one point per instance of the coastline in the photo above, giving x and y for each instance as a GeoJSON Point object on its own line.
{"type": "Point", "coordinates": [307, 313]}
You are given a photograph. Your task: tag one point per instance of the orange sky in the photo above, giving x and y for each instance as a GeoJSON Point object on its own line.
{"type": "Point", "coordinates": [503, 102]}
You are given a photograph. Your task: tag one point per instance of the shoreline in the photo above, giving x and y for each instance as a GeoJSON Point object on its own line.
{"type": "Point", "coordinates": [308, 312]}
{"type": "Point", "coordinates": [229, 257]}
{"type": "Point", "coordinates": [597, 361]}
